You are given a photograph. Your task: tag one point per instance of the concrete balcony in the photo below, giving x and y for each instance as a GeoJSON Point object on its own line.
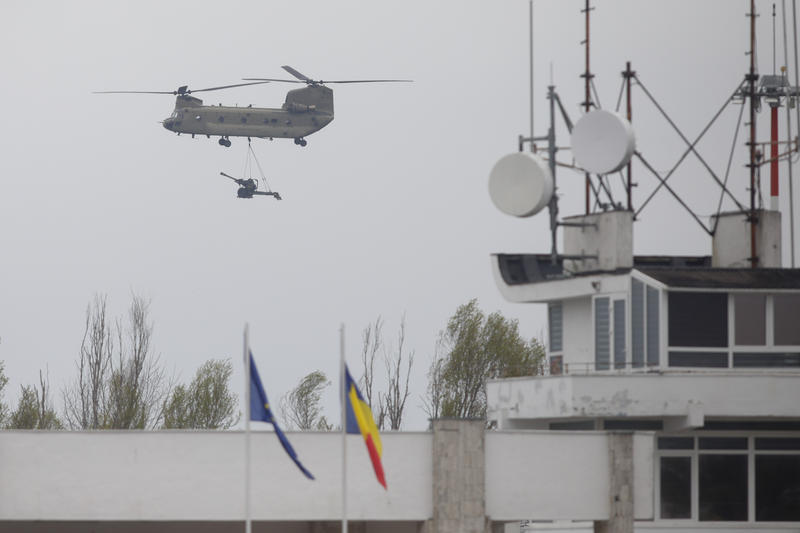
{"type": "Point", "coordinates": [681, 399]}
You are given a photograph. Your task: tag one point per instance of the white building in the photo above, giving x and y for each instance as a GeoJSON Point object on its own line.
{"type": "Point", "coordinates": [704, 354]}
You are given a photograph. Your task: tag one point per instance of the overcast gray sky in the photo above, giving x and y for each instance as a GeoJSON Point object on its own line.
{"type": "Point", "coordinates": [385, 212]}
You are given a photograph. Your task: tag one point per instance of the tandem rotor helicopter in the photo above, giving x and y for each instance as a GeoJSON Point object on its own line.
{"type": "Point", "coordinates": [305, 111]}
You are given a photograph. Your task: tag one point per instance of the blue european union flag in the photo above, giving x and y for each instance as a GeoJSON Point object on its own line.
{"type": "Point", "coordinates": [261, 412]}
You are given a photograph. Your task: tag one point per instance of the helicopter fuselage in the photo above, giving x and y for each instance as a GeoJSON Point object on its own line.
{"type": "Point", "coordinates": [304, 112]}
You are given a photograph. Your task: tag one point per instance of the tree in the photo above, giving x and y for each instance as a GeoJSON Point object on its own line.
{"type": "Point", "coordinates": [301, 406]}
{"type": "Point", "coordinates": [138, 385]}
{"type": "Point", "coordinates": [394, 401]}
{"type": "Point", "coordinates": [432, 401]}
{"type": "Point", "coordinates": [206, 403]}
{"type": "Point", "coordinates": [371, 344]}
{"type": "Point", "coordinates": [387, 407]}
{"type": "Point", "coordinates": [126, 391]}
{"type": "Point", "coordinates": [3, 406]}
{"type": "Point", "coordinates": [35, 410]}
{"type": "Point", "coordinates": [85, 401]}
{"type": "Point", "coordinates": [473, 348]}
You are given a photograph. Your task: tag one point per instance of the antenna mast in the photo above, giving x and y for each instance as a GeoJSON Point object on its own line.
{"type": "Point", "coordinates": [530, 39]}
{"type": "Point", "coordinates": [751, 78]}
{"type": "Point", "coordinates": [587, 102]}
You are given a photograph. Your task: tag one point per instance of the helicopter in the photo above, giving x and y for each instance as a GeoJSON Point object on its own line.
{"type": "Point", "coordinates": [305, 111]}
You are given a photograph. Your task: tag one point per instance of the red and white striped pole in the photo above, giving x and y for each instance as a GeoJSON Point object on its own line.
{"type": "Point", "coordinates": [773, 155]}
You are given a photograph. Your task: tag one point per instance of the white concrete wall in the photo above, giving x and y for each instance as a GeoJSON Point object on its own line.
{"type": "Point", "coordinates": [527, 472]}
{"type": "Point", "coordinates": [731, 242]}
{"type": "Point", "coordinates": [200, 476]}
{"type": "Point", "coordinates": [559, 475]}
{"type": "Point", "coordinates": [719, 394]}
{"type": "Point", "coordinates": [610, 239]}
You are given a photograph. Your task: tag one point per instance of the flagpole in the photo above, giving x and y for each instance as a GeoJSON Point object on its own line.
{"type": "Point", "coordinates": [247, 523]}
{"type": "Point", "coordinates": [342, 393]}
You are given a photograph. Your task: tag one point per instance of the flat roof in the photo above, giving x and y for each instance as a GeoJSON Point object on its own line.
{"type": "Point", "coordinates": [672, 271]}
{"type": "Point", "coordinates": [726, 278]}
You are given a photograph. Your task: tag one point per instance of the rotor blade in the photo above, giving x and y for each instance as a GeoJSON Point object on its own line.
{"type": "Point", "coordinates": [184, 89]}
{"type": "Point", "coordinates": [362, 81]}
{"type": "Point", "coordinates": [296, 74]}
{"type": "Point", "coordinates": [134, 92]}
{"type": "Point", "coordinates": [274, 79]}
{"type": "Point", "coordinates": [227, 86]}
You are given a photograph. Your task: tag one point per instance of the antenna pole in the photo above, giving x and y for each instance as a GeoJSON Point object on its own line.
{"type": "Point", "coordinates": [551, 154]}
{"type": "Point", "coordinates": [773, 149]}
{"type": "Point", "coordinates": [796, 84]}
{"type": "Point", "coordinates": [752, 77]}
{"type": "Point", "coordinates": [784, 72]}
{"type": "Point", "coordinates": [587, 102]}
{"type": "Point", "coordinates": [530, 38]}
{"type": "Point", "coordinates": [773, 40]}
{"type": "Point", "coordinates": [628, 74]}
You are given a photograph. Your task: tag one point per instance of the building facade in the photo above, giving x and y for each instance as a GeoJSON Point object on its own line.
{"type": "Point", "coordinates": [702, 351]}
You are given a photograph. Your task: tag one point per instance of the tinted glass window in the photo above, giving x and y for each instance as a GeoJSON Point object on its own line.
{"type": "Point", "coordinates": [722, 487]}
{"type": "Point", "coordinates": [723, 443]}
{"type": "Point", "coordinates": [750, 322]}
{"type": "Point", "coordinates": [698, 319]}
{"type": "Point", "coordinates": [698, 359]}
{"type": "Point", "coordinates": [778, 488]}
{"type": "Point", "coordinates": [676, 487]}
{"type": "Point", "coordinates": [787, 317]}
{"type": "Point", "coordinates": [766, 360]}
{"type": "Point", "coordinates": [777, 443]}
{"type": "Point", "coordinates": [675, 443]}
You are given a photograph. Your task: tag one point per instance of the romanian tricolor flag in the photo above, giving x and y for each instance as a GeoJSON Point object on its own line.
{"type": "Point", "coordinates": [360, 420]}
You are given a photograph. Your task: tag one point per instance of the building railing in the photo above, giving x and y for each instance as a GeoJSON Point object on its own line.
{"type": "Point", "coordinates": [783, 363]}
{"type": "Point", "coordinates": [557, 367]}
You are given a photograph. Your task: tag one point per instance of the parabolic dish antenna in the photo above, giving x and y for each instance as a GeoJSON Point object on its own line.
{"type": "Point", "coordinates": [520, 184]}
{"type": "Point", "coordinates": [602, 142]}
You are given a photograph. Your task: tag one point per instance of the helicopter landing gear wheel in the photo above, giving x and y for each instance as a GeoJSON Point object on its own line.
{"type": "Point", "coordinates": [300, 141]}
{"type": "Point", "coordinates": [224, 141]}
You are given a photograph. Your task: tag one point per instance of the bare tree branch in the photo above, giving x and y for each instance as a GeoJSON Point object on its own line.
{"type": "Point", "coordinates": [372, 342]}
{"type": "Point", "coordinates": [85, 401]}
{"type": "Point", "coordinates": [126, 392]}
{"type": "Point", "coordinates": [395, 399]}
{"type": "Point", "coordinates": [139, 385]}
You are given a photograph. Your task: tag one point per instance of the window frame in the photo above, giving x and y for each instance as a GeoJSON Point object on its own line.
{"type": "Point", "coordinates": [612, 333]}
{"type": "Point", "coordinates": [694, 454]}
{"type": "Point", "coordinates": [732, 350]}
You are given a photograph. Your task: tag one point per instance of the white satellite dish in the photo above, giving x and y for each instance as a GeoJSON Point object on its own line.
{"type": "Point", "coordinates": [602, 142]}
{"type": "Point", "coordinates": [520, 184]}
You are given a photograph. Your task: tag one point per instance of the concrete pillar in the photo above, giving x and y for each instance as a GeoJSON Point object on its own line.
{"type": "Point", "coordinates": [620, 455]}
{"type": "Point", "coordinates": [459, 503]}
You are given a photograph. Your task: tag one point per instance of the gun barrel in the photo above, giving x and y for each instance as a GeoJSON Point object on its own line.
{"type": "Point", "coordinates": [237, 180]}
